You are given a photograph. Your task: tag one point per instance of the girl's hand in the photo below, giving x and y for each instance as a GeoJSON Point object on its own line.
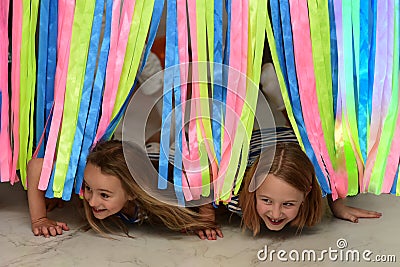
{"type": "Point", "coordinates": [352, 214]}
{"type": "Point", "coordinates": [47, 228]}
{"type": "Point", "coordinates": [209, 234]}
{"type": "Point", "coordinates": [208, 214]}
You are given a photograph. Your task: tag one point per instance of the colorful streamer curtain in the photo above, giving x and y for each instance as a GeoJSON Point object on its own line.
{"type": "Point", "coordinates": [337, 64]}
{"type": "Point", "coordinates": [345, 78]}
{"type": "Point", "coordinates": [88, 55]}
{"type": "Point", "coordinates": [222, 97]}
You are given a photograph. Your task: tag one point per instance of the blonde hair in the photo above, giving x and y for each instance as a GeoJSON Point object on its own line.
{"type": "Point", "coordinates": [109, 157]}
{"type": "Point", "coordinates": [293, 166]}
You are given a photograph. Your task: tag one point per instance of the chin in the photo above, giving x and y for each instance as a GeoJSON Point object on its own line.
{"type": "Point", "coordinates": [274, 228]}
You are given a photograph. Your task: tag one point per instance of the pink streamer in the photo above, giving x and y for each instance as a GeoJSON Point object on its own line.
{"type": "Point", "coordinates": [307, 89]}
{"type": "Point", "coordinates": [393, 158]}
{"type": "Point", "coordinates": [184, 60]}
{"type": "Point", "coordinates": [59, 89]}
{"type": "Point", "coordinates": [236, 90]}
{"type": "Point", "coordinates": [195, 167]}
{"type": "Point", "coordinates": [15, 81]}
{"type": "Point", "coordinates": [120, 28]}
{"type": "Point", "coordinates": [4, 134]}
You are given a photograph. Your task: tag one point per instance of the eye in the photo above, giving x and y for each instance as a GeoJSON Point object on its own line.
{"type": "Point", "coordinates": [288, 204]}
{"type": "Point", "coordinates": [104, 195]}
{"type": "Point", "coordinates": [87, 188]}
{"type": "Point", "coordinates": [267, 201]}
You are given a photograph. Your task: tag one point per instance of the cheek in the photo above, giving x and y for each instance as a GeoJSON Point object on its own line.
{"type": "Point", "coordinates": [261, 209]}
{"type": "Point", "coordinates": [293, 212]}
{"type": "Point", "coordinates": [85, 196]}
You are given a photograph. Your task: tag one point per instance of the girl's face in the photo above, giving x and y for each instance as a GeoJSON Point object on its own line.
{"type": "Point", "coordinates": [103, 192]}
{"type": "Point", "coordinates": [277, 202]}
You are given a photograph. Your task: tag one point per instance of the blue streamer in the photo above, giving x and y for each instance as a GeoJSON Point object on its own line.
{"type": "Point", "coordinates": [85, 99]}
{"type": "Point", "coordinates": [167, 96]}
{"type": "Point", "coordinates": [171, 76]}
{"type": "Point", "coordinates": [217, 94]}
{"type": "Point", "coordinates": [228, 6]}
{"type": "Point", "coordinates": [277, 29]}
{"type": "Point", "coordinates": [363, 89]}
{"type": "Point", "coordinates": [51, 64]}
{"type": "Point", "coordinates": [178, 119]}
{"type": "Point", "coordinates": [41, 73]}
{"type": "Point", "coordinates": [95, 104]}
{"type": "Point", "coordinates": [334, 55]}
{"type": "Point", "coordinates": [394, 186]}
{"type": "Point", "coordinates": [49, 191]}
{"type": "Point", "coordinates": [294, 91]}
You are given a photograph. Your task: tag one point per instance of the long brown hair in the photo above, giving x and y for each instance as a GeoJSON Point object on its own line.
{"type": "Point", "coordinates": [109, 157]}
{"type": "Point", "coordinates": [293, 166]}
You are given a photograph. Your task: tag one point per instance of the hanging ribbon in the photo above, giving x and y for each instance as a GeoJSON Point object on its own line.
{"type": "Point", "coordinates": [217, 76]}
{"type": "Point", "coordinates": [258, 14]}
{"type": "Point", "coordinates": [96, 97]}
{"type": "Point", "coordinates": [293, 106]}
{"type": "Point", "coordinates": [198, 166]}
{"type": "Point", "coordinates": [65, 31]}
{"type": "Point", "coordinates": [386, 160]}
{"type": "Point", "coordinates": [41, 72]}
{"type": "Point", "coordinates": [354, 165]}
{"type": "Point", "coordinates": [319, 27]}
{"type": "Point", "coordinates": [119, 40]}
{"type": "Point", "coordinates": [27, 82]}
{"type": "Point", "coordinates": [307, 89]}
{"type": "Point", "coordinates": [6, 155]}
{"type": "Point", "coordinates": [183, 52]}
{"type": "Point", "coordinates": [155, 20]}
{"type": "Point", "coordinates": [46, 71]}
{"type": "Point", "coordinates": [136, 42]}
{"type": "Point", "coordinates": [85, 98]}
{"type": "Point", "coordinates": [378, 112]}
{"type": "Point", "coordinates": [15, 82]}
{"type": "Point", "coordinates": [234, 99]}
{"type": "Point", "coordinates": [362, 82]}
{"type": "Point", "coordinates": [334, 56]}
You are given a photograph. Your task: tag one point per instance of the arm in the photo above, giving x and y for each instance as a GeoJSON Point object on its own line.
{"type": "Point", "coordinates": [208, 213]}
{"type": "Point", "coordinates": [352, 214]}
{"type": "Point", "coordinates": [41, 225]}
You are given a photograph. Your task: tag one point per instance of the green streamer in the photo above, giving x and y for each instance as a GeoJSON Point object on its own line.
{"type": "Point", "coordinates": [136, 41]}
{"type": "Point", "coordinates": [81, 31]}
{"type": "Point", "coordinates": [27, 84]}
{"type": "Point", "coordinates": [320, 37]}
{"type": "Point", "coordinates": [349, 109]}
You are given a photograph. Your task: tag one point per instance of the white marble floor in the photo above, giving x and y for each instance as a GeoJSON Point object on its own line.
{"type": "Point", "coordinates": [156, 246]}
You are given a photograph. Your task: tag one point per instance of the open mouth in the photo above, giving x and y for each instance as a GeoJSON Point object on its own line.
{"type": "Point", "coordinates": [97, 210]}
{"type": "Point", "coordinates": [275, 221]}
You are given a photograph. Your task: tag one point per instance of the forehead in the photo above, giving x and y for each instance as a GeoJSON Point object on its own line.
{"type": "Point", "coordinates": [276, 188]}
{"type": "Point", "coordinates": [98, 180]}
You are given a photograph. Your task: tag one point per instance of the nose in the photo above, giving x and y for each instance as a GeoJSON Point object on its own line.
{"type": "Point", "coordinates": [92, 200]}
{"type": "Point", "coordinates": [276, 211]}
